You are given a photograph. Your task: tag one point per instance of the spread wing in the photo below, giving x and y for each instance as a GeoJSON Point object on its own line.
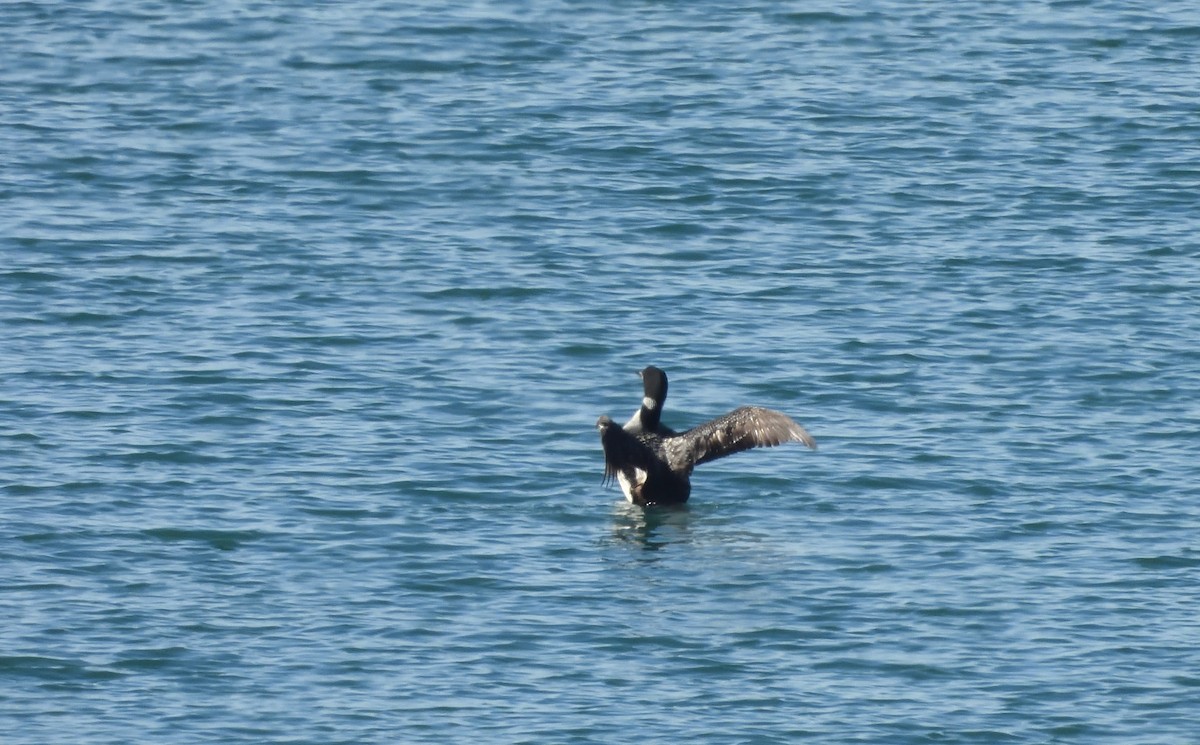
{"type": "Point", "coordinates": [742, 429]}
{"type": "Point", "coordinates": [622, 449]}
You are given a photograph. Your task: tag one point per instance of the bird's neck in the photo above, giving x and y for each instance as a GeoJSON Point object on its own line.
{"type": "Point", "coordinates": [650, 413]}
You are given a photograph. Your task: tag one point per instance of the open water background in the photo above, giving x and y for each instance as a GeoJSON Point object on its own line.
{"type": "Point", "coordinates": [309, 309]}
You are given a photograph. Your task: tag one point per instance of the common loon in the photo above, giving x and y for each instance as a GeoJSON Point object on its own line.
{"type": "Point", "coordinates": [653, 464]}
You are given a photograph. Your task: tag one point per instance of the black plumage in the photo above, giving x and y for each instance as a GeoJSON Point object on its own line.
{"type": "Point", "coordinates": [653, 464]}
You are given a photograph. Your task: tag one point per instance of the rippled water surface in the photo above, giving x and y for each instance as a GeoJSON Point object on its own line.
{"type": "Point", "coordinates": [309, 311]}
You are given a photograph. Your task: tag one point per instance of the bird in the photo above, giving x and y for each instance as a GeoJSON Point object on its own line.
{"type": "Point", "coordinates": [653, 464]}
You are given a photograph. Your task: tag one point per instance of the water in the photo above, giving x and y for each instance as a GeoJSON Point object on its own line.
{"type": "Point", "coordinates": [309, 311]}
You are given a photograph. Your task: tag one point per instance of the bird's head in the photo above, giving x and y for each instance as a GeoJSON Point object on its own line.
{"type": "Point", "coordinates": [654, 386]}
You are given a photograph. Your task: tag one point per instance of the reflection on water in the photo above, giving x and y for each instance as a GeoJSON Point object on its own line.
{"type": "Point", "coordinates": [651, 528]}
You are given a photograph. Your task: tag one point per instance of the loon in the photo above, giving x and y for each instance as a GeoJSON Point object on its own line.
{"type": "Point", "coordinates": [653, 464]}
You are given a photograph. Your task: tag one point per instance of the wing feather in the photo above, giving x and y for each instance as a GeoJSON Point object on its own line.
{"type": "Point", "coordinates": [743, 429]}
{"type": "Point", "coordinates": [622, 450]}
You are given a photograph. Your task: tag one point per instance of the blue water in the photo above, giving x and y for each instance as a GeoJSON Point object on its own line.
{"type": "Point", "coordinates": [309, 310]}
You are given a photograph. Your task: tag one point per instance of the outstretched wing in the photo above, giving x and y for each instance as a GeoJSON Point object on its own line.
{"type": "Point", "coordinates": [742, 429]}
{"type": "Point", "coordinates": [622, 449]}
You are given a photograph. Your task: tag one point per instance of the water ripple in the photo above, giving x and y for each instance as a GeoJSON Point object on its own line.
{"type": "Point", "coordinates": [310, 311]}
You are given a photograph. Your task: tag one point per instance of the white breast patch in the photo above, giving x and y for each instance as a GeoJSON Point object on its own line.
{"type": "Point", "coordinates": [627, 486]}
